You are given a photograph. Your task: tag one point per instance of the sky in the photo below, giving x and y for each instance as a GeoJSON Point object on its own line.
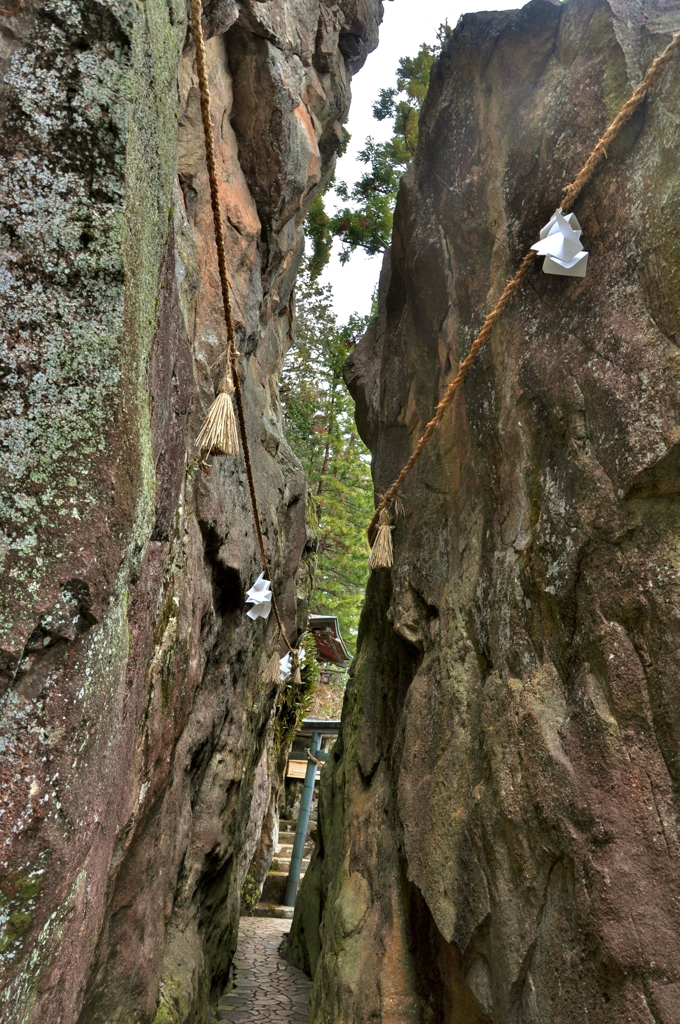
{"type": "Point", "coordinates": [401, 34]}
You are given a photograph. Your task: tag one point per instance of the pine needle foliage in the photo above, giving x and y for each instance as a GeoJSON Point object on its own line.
{"type": "Point", "coordinates": [318, 223]}
{"type": "Point", "coordinates": [319, 417]}
{"type": "Point", "coordinates": [366, 221]}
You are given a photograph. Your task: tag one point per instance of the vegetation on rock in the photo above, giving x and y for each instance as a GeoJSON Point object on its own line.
{"type": "Point", "coordinates": [295, 698]}
{"type": "Point", "coordinates": [250, 896]}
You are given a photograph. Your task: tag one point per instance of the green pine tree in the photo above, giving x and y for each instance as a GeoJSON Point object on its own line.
{"type": "Point", "coordinates": [319, 417]}
{"type": "Point", "coordinates": [366, 221]}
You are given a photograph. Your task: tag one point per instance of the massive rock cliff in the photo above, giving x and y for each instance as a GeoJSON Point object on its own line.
{"type": "Point", "coordinates": [499, 825]}
{"type": "Point", "coordinates": [135, 736]}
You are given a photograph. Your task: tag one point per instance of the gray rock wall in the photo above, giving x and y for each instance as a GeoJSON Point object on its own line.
{"type": "Point", "coordinates": [135, 734]}
{"type": "Point", "coordinates": [499, 826]}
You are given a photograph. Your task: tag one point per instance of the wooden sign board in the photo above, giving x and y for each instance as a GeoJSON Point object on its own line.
{"type": "Point", "coordinates": [298, 770]}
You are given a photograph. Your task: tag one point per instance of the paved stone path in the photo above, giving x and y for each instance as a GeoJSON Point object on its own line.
{"type": "Point", "coordinates": [267, 990]}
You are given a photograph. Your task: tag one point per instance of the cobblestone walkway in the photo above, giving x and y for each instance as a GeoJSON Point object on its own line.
{"type": "Point", "coordinates": [267, 990]}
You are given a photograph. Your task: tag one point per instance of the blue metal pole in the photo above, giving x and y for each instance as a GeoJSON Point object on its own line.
{"type": "Point", "coordinates": [303, 821]}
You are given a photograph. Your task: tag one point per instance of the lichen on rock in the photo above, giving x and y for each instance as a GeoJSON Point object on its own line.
{"type": "Point", "coordinates": [135, 732]}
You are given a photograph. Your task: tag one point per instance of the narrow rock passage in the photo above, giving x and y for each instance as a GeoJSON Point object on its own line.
{"type": "Point", "coordinates": [267, 990]}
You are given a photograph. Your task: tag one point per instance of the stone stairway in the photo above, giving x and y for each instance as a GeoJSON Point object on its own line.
{"type": "Point", "coordinates": [274, 889]}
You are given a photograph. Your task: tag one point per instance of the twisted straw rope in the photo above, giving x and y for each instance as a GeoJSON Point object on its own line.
{"type": "Point", "coordinates": [570, 195]}
{"type": "Point", "coordinates": [232, 355]}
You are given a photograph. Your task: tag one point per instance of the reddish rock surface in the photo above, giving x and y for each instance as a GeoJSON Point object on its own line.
{"type": "Point", "coordinates": [499, 826]}
{"type": "Point", "coordinates": [134, 731]}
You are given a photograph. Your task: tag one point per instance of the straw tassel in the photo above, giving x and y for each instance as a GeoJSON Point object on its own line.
{"type": "Point", "coordinates": [272, 672]}
{"type": "Point", "coordinates": [218, 434]}
{"type": "Point", "coordinates": [381, 552]}
{"type": "Point", "coordinates": [296, 677]}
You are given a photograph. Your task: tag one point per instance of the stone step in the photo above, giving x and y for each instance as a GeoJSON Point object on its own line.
{"type": "Point", "coordinates": [274, 888]}
{"type": "Point", "coordinates": [273, 910]}
{"type": "Point", "coordinates": [286, 850]}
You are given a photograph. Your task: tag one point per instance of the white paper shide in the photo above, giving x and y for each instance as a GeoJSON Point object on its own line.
{"type": "Point", "coordinates": [287, 663]}
{"type": "Point", "coordinates": [260, 596]}
{"type": "Point", "coordinates": [560, 243]}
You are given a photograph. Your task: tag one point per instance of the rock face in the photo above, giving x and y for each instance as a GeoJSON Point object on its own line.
{"type": "Point", "coordinates": [134, 732]}
{"type": "Point", "coordinates": [499, 833]}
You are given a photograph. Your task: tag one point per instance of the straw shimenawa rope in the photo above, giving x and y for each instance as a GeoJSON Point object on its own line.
{"type": "Point", "coordinates": [571, 193]}
{"type": "Point", "coordinates": [218, 433]}
{"type": "Point", "coordinates": [232, 354]}
{"type": "Point", "coordinates": [510, 289]}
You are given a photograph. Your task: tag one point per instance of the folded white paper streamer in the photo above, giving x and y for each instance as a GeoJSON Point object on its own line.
{"type": "Point", "coordinates": [260, 596]}
{"type": "Point", "coordinates": [560, 243]}
{"type": "Point", "coordinates": [286, 663]}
